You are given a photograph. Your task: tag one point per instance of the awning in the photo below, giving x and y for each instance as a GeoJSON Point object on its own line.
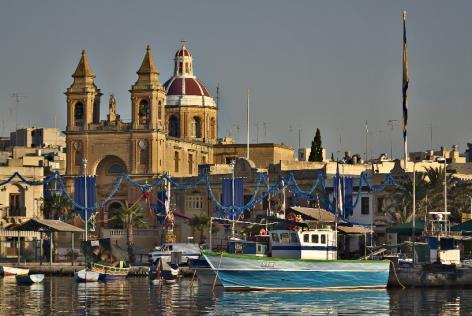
{"type": "Point", "coordinates": [407, 228]}
{"type": "Point", "coordinates": [354, 230]}
{"type": "Point", "coordinates": [318, 214]}
{"type": "Point", "coordinates": [36, 224]}
{"type": "Point", "coordinates": [465, 227]}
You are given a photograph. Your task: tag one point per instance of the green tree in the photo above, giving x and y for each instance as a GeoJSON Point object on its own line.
{"type": "Point", "coordinates": [429, 196]}
{"type": "Point", "coordinates": [316, 153]}
{"type": "Point", "coordinates": [56, 205]}
{"type": "Point", "coordinates": [200, 224]}
{"type": "Point", "coordinates": [130, 218]}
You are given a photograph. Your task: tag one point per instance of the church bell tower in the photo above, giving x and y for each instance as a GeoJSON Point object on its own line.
{"type": "Point", "coordinates": [83, 98]}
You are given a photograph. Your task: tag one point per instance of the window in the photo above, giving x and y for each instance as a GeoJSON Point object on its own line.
{"type": "Point", "coordinates": [193, 202]}
{"type": "Point", "coordinates": [204, 159]}
{"type": "Point", "coordinates": [293, 237]}
{"type": "Point", "coordinates": [176, 161]}
{"type": "Point", "coordinates": [143, 156]}
{"type": "Point", "coordinates": [190, 163]}
{"type": "Point", "coordinates": [116, 169]}
{"type": "Point", "coordinates": [78, 158]}
{"type": "Point", "coordinates": [230, 159]}
{"type": "Point", "coordinates": [16, 209]}
{"type": "Point", "coordinates": [78, 114]}
{"type": "Point", "coordinates": [180, 67]}
{"type": "Point", "coordinates": [380, 201]}
{"type": "Point", "coordinates": [173, 126]}
{"type": "Point", "coordinates": [284, 238]}
{"type": "Point", "coordinates": [323, 239]}
{"type": "Point", "coordinates": [159, 110]}
{"type": "Point", "coordinates": [315, 239]}
{"type": "Point", "coordinates": [196, 127]}
{"type": "Point", "coordinates": [144, 112]}
{"type": "Point", "coordinates": [365, 205]}
{"type": "Point", "coordinates": [275, 237]}
{"type": "Point", "coordinates": [306, 238]}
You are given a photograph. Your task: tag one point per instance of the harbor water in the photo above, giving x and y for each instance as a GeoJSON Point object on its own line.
{"type": "Point", "coordinates": [136, 296]}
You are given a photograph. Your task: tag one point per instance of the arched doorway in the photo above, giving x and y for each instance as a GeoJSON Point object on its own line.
{"type": "Point", "coordinates": [107, 171]}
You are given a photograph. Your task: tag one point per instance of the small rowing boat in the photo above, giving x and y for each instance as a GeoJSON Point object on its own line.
{"type": "Point", "coordinates": [23, 279]}
{"type": "Point", "coordinates": [14, 271]}
{"type": "Point", "coordinates": [108, 272]}
{"type": "Point", "coordinates": [86, 275]}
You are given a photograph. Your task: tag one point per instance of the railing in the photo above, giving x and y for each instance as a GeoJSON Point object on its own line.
{"type": "Point", "coordinates": [19, 233]}
{"type": "Point", "coordinates": [136, 232]}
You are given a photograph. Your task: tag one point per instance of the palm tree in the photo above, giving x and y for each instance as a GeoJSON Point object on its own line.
{"type": "Point", "coordinates": [129, 218]}
{"type": "Point", "coordinates": [429, 196]}
{"type": "Point", "coordinates": [55, 206]}
{"type": "Point", "coordinates": [200, 224]}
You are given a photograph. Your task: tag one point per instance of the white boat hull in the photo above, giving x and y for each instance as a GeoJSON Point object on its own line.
{"type": "Point", "coordinates": [86, 276]}
{"type": "Point", "coordinates": [14, 271]}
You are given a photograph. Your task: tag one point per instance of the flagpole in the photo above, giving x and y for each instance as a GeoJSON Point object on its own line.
{"type": "Point", "coordinates": [405, 82]}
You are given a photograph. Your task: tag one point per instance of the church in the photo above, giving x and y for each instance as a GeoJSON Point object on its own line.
{"type": "Point", "coordinates": [173, 130]}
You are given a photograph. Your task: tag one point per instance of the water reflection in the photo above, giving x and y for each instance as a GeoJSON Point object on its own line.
{"type": "Point", "coordinates": [140, 297]}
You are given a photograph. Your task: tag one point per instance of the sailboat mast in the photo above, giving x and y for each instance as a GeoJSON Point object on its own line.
{"type": "Point", "coordinates": [247, 127]}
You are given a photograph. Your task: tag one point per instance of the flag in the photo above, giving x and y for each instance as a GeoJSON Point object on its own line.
{"type": "Point", "coordinates": [405, 79]}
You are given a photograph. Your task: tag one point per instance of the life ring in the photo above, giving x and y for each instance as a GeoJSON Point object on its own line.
{"type": "Point", "coordinates": [262, 232]}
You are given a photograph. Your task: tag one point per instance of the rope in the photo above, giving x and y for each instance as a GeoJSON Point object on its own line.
{"type": "Point", "coordinates": [396, 276]}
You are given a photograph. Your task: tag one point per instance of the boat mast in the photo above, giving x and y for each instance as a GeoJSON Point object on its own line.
{"type": "Point", "coordinates": [247, 127]}
{"type": "Point", "coordinates": [413, 230]}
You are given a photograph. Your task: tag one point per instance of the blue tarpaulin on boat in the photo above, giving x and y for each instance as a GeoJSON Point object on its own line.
{"type": "Point", "coordinates": [79, 194]}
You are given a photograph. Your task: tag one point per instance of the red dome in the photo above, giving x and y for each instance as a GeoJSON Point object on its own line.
{"type": "Point", "coordinates": [185, 86]}
{"type": "Point", "coordinates": [183, 52]}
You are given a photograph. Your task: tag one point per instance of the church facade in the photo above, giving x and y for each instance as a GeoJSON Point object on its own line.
{"type": "Point", "coordinates": [173, 126]}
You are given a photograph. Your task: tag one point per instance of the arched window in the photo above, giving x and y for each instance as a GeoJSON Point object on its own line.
{"type": "Point", "coordinates": [144, 112]}
{"type": "Point", "coordinates": [79, 114]}
{"type": "Point", "coordinates": [196, 127]}
{"type": "Point", "coordinates": [116, 169]}
{"type": "Point", "coordinates": [212, 128]}
{"type": "Point", "coordinates": [173, 126]}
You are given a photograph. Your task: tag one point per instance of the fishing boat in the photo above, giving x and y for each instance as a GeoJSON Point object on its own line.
{"type": "Point", "coordinates": [294, 260]}
{"type": "Point", "coordinates": [86, 275]}
{"type": "Point", "coordinates": [25, 279]}
{"type": "Point", "coordinates": [109, 272]}
{"type": "Point", "coordinates": [14, 271]}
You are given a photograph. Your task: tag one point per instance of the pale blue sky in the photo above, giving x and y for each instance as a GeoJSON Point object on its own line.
{"type": "Point", "coordinates": [326, 64]}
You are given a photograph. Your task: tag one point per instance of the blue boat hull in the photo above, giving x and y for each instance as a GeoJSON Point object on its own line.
{"type": "Point", "coordinates": [250, 273]}
{"type": "Point", "coordinates": [107, 276]}
{"type": "Point", "coordinates": [299, 280]}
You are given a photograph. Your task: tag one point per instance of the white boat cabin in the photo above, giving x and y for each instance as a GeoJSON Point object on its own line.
{"type": "Point", "coordinates": [306, 244]}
